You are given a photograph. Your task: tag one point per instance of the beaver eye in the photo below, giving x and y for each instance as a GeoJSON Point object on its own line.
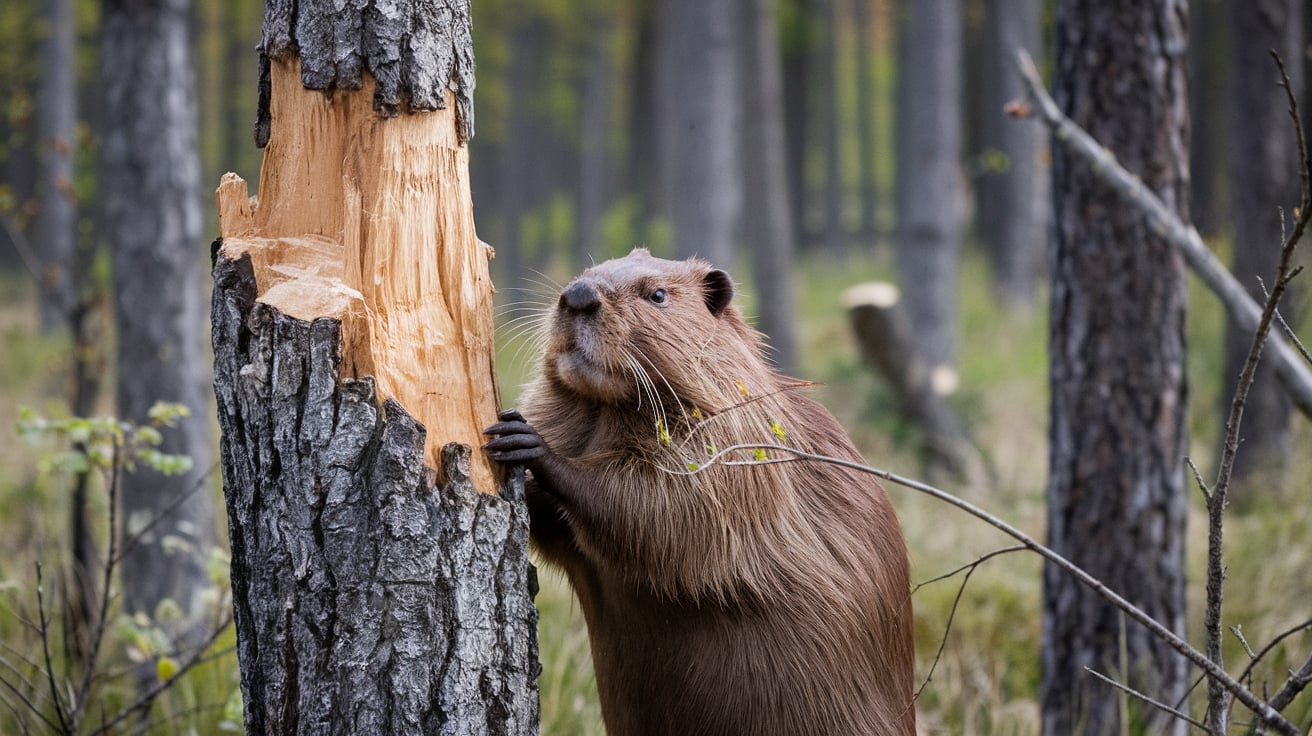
{"type": "Point", "coordinates": [658, 296]}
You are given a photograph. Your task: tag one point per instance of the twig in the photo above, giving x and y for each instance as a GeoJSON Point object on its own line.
{"type": "Point", "coordinates": [1260, 708]}
{"type": "Point", "coordinates": [1296, 683]}
{"type": "Point", "coordinates": [1217, 707]}
{"type": "Point", "coordinates": [969, 569]}
{"type": "Point", "coordinates": [25, 253]}
{"type": "Point", "coordinates": [1272, 645]}
{"type": "Point", "coordinates": [102, 621]}
{"type": "Point", "coordinates": [27, 702]}
{"type": "Point", "coordinates": [1294, 375]}
{"type": "Point", "coordinates": [131, 541]}
{"type": "Point", "coordinates": [147, 698]}
{"type": "Point", "coordinates": [1150, 701]}
{"type": "Point", "coordinates": [66, 726]}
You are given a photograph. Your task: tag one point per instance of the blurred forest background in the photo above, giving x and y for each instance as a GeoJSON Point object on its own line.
{"type": "Point", "coordinates": [843, 141]}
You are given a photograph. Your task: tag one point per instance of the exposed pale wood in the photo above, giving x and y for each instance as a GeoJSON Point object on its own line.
{"type": "Point", "coordinates": [367, 219]}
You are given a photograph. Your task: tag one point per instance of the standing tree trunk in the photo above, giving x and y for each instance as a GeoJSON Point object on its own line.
{"type": "Point", "coordinates": [865, 120]}
{"type": "Point", "coordinates": [1116, 492]}
{"type": "Point", "coordinates": [594, 149]}
{"type": "Point", "coordinates": [698, 134]}
{"type": "Point", "coordinates": [831, 111]}
{"type": "Point", "coordinates": [928, 171]}
{"type": "Point", "coordinates": [1263, 152]}
{"type": "Point", "coordinates": [352, 320]}
{"type": "Point", "coordinates": [1209, 57]}
{"type": "Point", "coordinates": [56, 224]}
{"type": "Point", "coordinates": [151, 179]}
{"type": "Point", "coordinates": [768, 217]}
{"type": "Point", "coordinates": [1013, 196]}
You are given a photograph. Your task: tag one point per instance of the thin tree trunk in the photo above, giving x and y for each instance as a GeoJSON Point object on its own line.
{"type": "Point", "coordinates": [831, 110]}
{"type": "Point", "coordinates": [865, 121]}
{"type": "Point", "coordinates": [928, 171]}
{"type": "Point", "coordinates": [1013, 197]}
{"type": "Point", "coordinates": [799, 59]}
{"type": "Point", "coordinates": [594, 148]}
{"type": "Point", "coordinates": [1263, 188]}
{"type": "Point", "coordinates": [768, 218]}
{"type": "Point", "coordinates": [1116, 495]}
{"type": "Point", "coordinates": [698, 125]}
{"type": "Point", "coordinates": [380, 582]}
{"type": "Point", "coordinates": [150, 174]}
{"type": "Point", "coordinates": [57, 219]}
{"type": "Point", "coordinates": [1209, 40]}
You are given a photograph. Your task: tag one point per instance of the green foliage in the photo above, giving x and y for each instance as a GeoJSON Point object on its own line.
{"type": "Point", "coordinates": [95, 442]}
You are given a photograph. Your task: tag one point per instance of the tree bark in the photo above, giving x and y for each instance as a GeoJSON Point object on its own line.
{"type": "Point", "coordinates": [1263, 187]}
{"type": "Point", "coordinates": [768, 217]}
{"type": "Point", "coordinates": [698, 114]}
{"type": "Point", "coordinates": [831, 113]}
{"type": "Point", "coordinates": [1116, 494]}
{"type": "Point", "coordinates": [865, 120]}
{"type": "Point", "coordinates": [56, 225]}
{"type": "Point", "coordinates": [1013, 197]}
{"type": "Point", "coordinates": [151, 179]}
{"type": "Point", "coordinates": [928, 173]}
{"type": "Point", "coordinates": [366, 600]}
{"type": "Point", "coordinates": [1209, 53]}
{"type": "Point", "coordinates": [380, 582]}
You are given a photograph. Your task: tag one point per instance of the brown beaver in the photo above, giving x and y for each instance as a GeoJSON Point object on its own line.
{"type": "Point", "coordinates": [753, 593]}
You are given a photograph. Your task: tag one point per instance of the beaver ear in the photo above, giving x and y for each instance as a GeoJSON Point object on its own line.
{"type": "Point", "coordinates": [719, 291]}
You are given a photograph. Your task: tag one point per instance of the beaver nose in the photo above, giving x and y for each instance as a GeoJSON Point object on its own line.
{"type": "Point", "coordinates": [580, 296]}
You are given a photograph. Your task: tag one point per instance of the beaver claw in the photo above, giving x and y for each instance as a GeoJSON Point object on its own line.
{"type": "Point", "coordinates": [515, 440]}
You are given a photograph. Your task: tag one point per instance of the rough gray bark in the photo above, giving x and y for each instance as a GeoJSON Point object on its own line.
{"type": "Point", "coordinates": [416, 53]}
{"type": "Point", "coordinates": [865, 121]}
{"type": "Point", "coordinates": [1209, 42]}
{"type": "Point", "coordinates": [928, 171]}
{"type": "Point", "coordinates": [698, 125]}
{"type": "Point", "coordinates": [1116, 495]}
{"type": "Point", "coordinates": [1013, 201]}
{"type": "Point", "coordinates": [767, 212]}
{"type": "Point", "coordinates": [1263, 180]}
{"type": "Point", "coordinates": [151, 179]}
{"type": "Point", "coordinates": [366, 600]}
{"type": "Point", "coordinates": [831, 114]}
{"type": "Point", "coordinates": [57, 219]}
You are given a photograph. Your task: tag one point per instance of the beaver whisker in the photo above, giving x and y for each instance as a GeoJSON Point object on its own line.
{"type": "Point", "coordinates": [683, 410]}
{"type": "Point", "coordinates": [645, 386]}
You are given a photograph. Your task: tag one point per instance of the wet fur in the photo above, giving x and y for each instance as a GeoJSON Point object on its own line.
{"type": "Point", "coordinates": [767, 598]}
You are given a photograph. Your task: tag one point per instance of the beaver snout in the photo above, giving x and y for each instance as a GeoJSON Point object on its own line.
{"type": "Point", "coordinates": [580, 297]}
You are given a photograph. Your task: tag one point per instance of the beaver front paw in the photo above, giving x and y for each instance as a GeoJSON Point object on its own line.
{"type": "Point", "coordinates": [515, 441]}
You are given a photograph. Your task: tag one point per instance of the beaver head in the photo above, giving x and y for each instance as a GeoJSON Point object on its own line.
{"type": "Point", "coordinates": [632, 327]}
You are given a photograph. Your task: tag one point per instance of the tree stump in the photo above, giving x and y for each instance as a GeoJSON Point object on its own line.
{"type": "Point", "coordinates": [887, 343]}
{"type": "Point", "coordinates": [381, 583]}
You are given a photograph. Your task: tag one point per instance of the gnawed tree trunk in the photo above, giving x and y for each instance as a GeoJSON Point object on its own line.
{"type": "Point", "coordinates": [352, 327]}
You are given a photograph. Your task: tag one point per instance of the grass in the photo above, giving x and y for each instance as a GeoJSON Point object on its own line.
{"type": "Point", "coordinates": [988, 677]}
{"type": "Point", "coordinates": [987, 680]}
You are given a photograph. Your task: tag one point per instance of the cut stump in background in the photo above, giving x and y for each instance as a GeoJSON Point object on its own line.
{"type": "Point", "coordinates": [884, 335]}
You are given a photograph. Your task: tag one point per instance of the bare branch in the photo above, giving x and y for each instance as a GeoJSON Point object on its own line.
{"type": "Point", "coordinates": [1297, 682]}
{"type": "Point", "coordinates": [969, 569]}
{"type": "Point", "coordinates": [45, 648]}
{"type": "Point", "coordinates": [1272, 645]}
{"type": "Point", "coordinates": [1294, 375]}
{"type": "Point", "coordinates": [1260, 708]}
{"type": "Point", "coordinates": [1150, 701]}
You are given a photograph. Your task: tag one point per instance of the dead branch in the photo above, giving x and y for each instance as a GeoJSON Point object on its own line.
{"type": "Point", "coordinates": [1260, 708]}
{"type": "Point", "coordinates": [1294, 375]}
{"type": "Point", "coordinates": [1150, 701]}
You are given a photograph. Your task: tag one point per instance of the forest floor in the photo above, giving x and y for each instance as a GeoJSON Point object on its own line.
{"type": "Point", "coordinates": [986, 680]}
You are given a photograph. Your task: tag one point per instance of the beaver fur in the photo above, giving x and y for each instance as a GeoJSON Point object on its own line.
{"type": "Point", "coordinates": [739, 592]}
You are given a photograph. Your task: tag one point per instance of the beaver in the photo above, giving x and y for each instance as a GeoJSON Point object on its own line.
{"type": "Point", "coordinates": [726, 591]}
